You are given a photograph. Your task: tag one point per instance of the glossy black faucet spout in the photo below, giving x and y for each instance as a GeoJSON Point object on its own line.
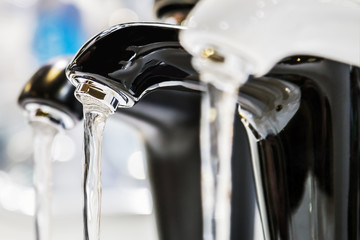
{"type": "Point", "coordinates": [49, 96]}
{"type": "Point", "coordinates": [133, 59]}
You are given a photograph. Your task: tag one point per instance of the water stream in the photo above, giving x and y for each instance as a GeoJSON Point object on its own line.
{"type": "Point", "coordinates": [94, 122]}
{"type": "Point", "coordinates": [44, 135]}
{"type": "Point", "coordinates": [218, 108]}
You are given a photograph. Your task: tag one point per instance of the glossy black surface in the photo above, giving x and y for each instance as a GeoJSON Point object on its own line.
{"type": "Point", "coordinates": [49, 86]}
{"type": "Point", "coordinates": [310, 170]}
{"type": "Point", "coordinates": [131, 58]}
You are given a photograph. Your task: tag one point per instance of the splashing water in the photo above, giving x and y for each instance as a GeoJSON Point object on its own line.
{"type": "Point", "coordinates": [218, 109]}
{"type": "Point", "coordinates": [95, 117]}
{"type": "Point", "coordinates": [44, 135]}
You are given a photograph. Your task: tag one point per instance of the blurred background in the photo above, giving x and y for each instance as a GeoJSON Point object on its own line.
{"type": "Point", "coordinates": [32, 32]}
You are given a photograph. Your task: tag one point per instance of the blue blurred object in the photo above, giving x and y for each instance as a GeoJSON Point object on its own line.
{"type": "Point", "coordinates": [58, 32]}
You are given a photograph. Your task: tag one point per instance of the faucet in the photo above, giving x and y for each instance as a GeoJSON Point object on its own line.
{"type": "Point", "coordinates": [50, 106]}
{"type": "Point", "coordinates": [306, 169]}
{"type": "Point", "coordinates": [132, 60]}
{"type": "Point", "coordinates": [48, 97]}
{"type": "Point", "coordinates": [329, 29]}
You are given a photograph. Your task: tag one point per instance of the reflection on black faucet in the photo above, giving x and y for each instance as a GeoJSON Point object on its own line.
{"type": "Point", "coordinates": [308, 173]}
{"type": "Point", "coordinates": [133, 59]}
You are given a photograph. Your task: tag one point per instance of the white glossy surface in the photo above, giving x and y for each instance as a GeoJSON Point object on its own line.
{"type": "Point", "coordinates": [262, 32]}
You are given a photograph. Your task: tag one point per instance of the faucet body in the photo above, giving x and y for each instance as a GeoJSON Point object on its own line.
{"type": "Point", "coordinates": [146, 66]}
{"type": "Point", "coordinates": [308, 174]}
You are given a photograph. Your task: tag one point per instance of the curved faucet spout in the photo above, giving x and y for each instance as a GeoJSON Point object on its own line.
{"type": "Point", "coordinates": [132, 59]}
{"type": "Point", "coordinates": [48, 96]}
{"type": "Point", "coordinates": [263, 32]}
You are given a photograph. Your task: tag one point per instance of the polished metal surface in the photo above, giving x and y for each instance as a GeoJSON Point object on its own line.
{"type": "Point", "coordinates": [134, 58]}
{"type": "Point", "coordinates": [47, 114]}
{"type": "Point", "coordinates": [268, 104]}
{"type": "Point", "coordinates": [307, 175]}
{"type": "Point", "coordinates": [101, 95]}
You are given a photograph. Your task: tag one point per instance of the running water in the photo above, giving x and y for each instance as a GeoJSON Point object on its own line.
{"type": "Point", "coordinates": [218, 109]}
{"type": "Point", "coordinates": [223, 78]}
{"type": "Point", "coordinates": [44, 135]}
{"type": "Point", "coordinates": [94, 122]}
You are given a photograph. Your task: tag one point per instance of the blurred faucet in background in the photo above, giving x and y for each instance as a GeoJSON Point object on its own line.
{"type": "Point", "coordinates": [50, 107]}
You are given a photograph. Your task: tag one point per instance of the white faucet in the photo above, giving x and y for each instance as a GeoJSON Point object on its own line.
{"type": "Point", "coordinates": [262, 32]}
{"type": "Point", "coordinates": [233, 39]}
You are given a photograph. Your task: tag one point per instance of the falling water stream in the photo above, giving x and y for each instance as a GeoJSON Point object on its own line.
{"type": "Point", "coordinates": [223, 78]}
{"type": "Point", "coordinates": [94, 122]}
{"type": "Point", "coordinates": [44, 135]}
{"type": "Point", "coordinates": [218, 109]}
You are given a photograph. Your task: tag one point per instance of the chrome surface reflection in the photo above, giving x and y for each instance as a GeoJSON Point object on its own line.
{"type": "Point", "coordinates": [307, 174]}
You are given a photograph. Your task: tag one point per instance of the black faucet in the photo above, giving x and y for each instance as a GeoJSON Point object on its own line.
{"type": "Point", "coordinates": [160, 94]}
{"type": "Point", "coordinates": [49, 96]}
